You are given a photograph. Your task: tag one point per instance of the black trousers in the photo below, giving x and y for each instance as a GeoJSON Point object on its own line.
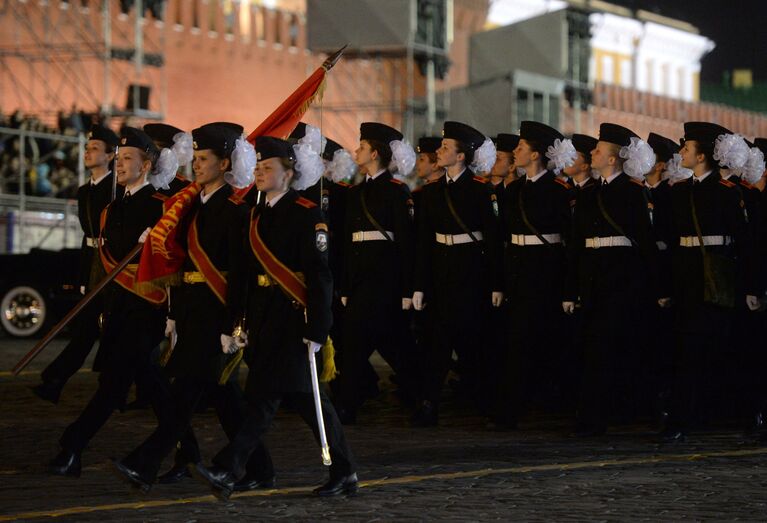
{"type": "Point", "coordinates": [261, 411]}
{"type": "Point", "coordinates": [186, 394]}
{"type": "Point", "coordinates": [85, 334]}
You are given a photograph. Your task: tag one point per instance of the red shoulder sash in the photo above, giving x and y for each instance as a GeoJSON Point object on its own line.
{"type": "Point", "coordinates": [213, 277]}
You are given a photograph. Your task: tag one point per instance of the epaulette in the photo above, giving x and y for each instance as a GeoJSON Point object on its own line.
{"type": "Point", "coordinates": [396, 181]}
{"type": "Point", "coordinates": [303, 202]}
{"type": "Point", "coordinates": [179, 177]}
{"type": "Point", "coordinates": [236, 199]}
{"type": "Point", "coordinates": [746, 184]}
{"type": "Point", "coordinates": [433, 181]}
{"type": "Point", "coordinates": [563, 183]}
{"type": "Point", "coordinates": [679, 182]}
{"type": "Point", "coordinates": [343, 184]}
{"type": "Point", "coordinates": [160, 196]}
{"type": "Point", "coordinates": [480, 179]}
{"type": "Point", "coordinates": [727, 183]}
{"type": "Point", "coordinates": [636, 182]}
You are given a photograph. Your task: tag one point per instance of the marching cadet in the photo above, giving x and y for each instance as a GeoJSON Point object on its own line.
{"type": "Point", "coordinates": [166, 136]}
{"type": "Point", "coordinates": [535, 222]}
{"type": "Point", "coordinates": [376, 286]}
{"type": "Point", "coordinates": [708, 222]}
{"type": "Point", "coordinates": [580, 173]}
{"type": "Point", "coordinates": [458, 269]}
{"type": "Point", "coordinates": [133, 318]}
{"type": "Point", "coordinates": [283, 287]}
{"type": "Point", "coordinates": [198, 312]}
{"type": "Point", "coordinates": [504, 170]}
{"type": "Point", "coordinates": [611, 242]}
{"type": "Point", "coordinates": [92, 198]}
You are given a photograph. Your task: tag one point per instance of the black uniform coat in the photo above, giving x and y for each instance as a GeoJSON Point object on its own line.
{"type": "Point", "coordinates": [91, 200]}
{"type": "Point", "coordinates": [276, 355]}
{"type": "Point", "coordinates": [130, 319]}
{"type": "Point", "coordinates": [200, 316]}
{"type": "Point", "coordinates": [719, 213]}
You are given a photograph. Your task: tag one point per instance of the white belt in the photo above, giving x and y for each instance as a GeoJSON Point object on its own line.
{"type": "Point", "coordinates": [693, 241]}
{"type": "Point", "coordinates": [371, 236]}
{"type": "Point", "coordinates": [93, 242]}
{"type": "Point", "coordinates": [457, 239]}
{"type": "Point", "coordinates": [607, 241]}
{"type": "Point", "coordinates": [661, 246]}
{"type": "Point", "coordinates": [531, 239]}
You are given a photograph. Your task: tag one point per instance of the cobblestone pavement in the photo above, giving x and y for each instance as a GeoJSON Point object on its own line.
{"type": "Point", "coordinates": [458, 471]}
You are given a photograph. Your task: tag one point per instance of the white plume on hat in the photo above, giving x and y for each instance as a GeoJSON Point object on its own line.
{"type": "Point", "coordinates": [561, 154]}
{"type": "Point", "coordinates": [403, 157]}
{"type": "Point", "coordinates": [484, 157]}
{"type": "Point", "coordinates": [164, 169]}
{"type": "Point", "coordinates": [309, 163]}
{"type": "Point", "coordinates": [183, 147]}
{"type": "Point", "coordinates": [243, 164]}
{"type": "Point", "coordinates": [754, 168]}
{"type": "Point", "coordinates": [674, 171]}
{"type": "Point", "coordinates": [341, 167]}
{"type": "Point", "coordinates": [639, 158]}
{"type": "Point", "coordinates": [731, 151]}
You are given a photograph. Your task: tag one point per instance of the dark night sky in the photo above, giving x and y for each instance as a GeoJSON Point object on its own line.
{"type": "Point", "coordinates": [739, 28]}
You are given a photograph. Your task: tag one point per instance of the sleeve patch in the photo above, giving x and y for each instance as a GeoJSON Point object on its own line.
{"type": "Point", "coordinates": [727, 183]}
{"type": "Point", "coordinates": [396, 181]}
{"type": "Point", "coordinates": [303, 202]}
{"type": "Point", "coordinates": [563, 183]}
{"type": "Point", "coordinates": [321, 227]}
{"type": "Point", "coordinates": [480, 179]}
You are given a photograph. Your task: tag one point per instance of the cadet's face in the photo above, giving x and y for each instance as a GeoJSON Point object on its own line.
{"type": "Point", "coordinates": [503, 162]}
{"type": "Point", "coordinates": [271, 175]}
{"type": "Point", "coordinates": [523, 154]}
{"type": "Point", "coordinates": [600, 156]}
{"type": "Point", "coordinates": [447, 154]}
{"type": "Point", "coordinates": [96, 155]}
{"type": "Point", "coordinates": [364, 154]}
{"type": "Point", "coordinates": [208, 167]}
{"type": "Point", "coordinates": [688, 152]}
{"type": "Point", "coordinates": [577, 166]}
{"type": "Point", "coordinates": [423, 165]}
{"type": "Point", "coordinates": [130, 165]}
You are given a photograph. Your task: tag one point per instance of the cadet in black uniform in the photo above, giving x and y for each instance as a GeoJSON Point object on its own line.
{"type": "Point", "coordinates": [163, 136]}
{"type": "Point", "coordinates": [579, 172]}
{"type": "Point", "coordinates": [377, 284]}
{"type": "Point", "coordinates": [611, 243]}
{"type": "Point", "coordinates": [92, 197]}
{"type": "Point", "coordinates": [133, 323]}
{"type": "Point", "coordinates": [700, 326]}
{"type": "Point", "coordinates": [284, 288]}
{"type": "Point", "coordinates": [535, 223]}
{"type": "Point", "coordinates": [213, 230]}
{"type": "Point", "coordinates": [504, 170]}
{"type": "Point", "coordinates": [458, 266]}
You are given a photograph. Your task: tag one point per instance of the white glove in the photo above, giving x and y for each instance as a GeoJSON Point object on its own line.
{"type": "Point", "coordinates": [406, 304]}
{"type": "Point", "coordinates": [752, 302]}
{"type": "Point", "coordinates": [228, 345]}
{"type": "Point", "coordinates": [497, 299]}
{"type": "Point", "coordinates": [344, 299]}
{"type": "Point", "coordinates": [664, 303]}
{"type": "Point", "coordinates": [170, 327]}
{"type": "Point", "coordinates": [313, 345]}
{"type": "Point", "coordinates": [241, 341]}
{"type": "Point", "coordinates": [82, 289]}
{"type": "Point", "coordinates": [144, 235]}
{"type": "Point", "coordinates": [418, 303]}
{"type": "Point", "coordinates": [568, 307]}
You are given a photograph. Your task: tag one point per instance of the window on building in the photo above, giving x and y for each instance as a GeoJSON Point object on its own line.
{"type": "Point", "coordinates": [276, 17]}
{"type": "Point", "coordinates": [682, 83]}
{"type": "Point", "coordinates": [178, 16]}
{"type": "Point", "coordinates": [650, 72]}
{"type": "Point", "coordinates": [665, 80]}
{"type": "Point", "coordinates": [522, 105]}
{"type": "Point", "coordinates": [626, 73]}
{"type": "Point", "coordinates": [230, 17]}
{"type": "Point", "coordinates": [553, 119]}
{"type": "Point", "coordinates": [195, 15]}
{"type": "Point", "coordinates": [259, 18]}
{"type": "Point", "coordinates": [538, 108]}
{"type": "Point", "coordinates": [293, 30]}
{"type": "Point", "coordinates": [212, 8]}
{"type": "Point", "coordinates": [608, 69]}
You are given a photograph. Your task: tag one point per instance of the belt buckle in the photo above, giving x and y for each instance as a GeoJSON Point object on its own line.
{"type": "Point", "coordinates": [596, 241]}
{"type": "Point", "coordinates": [448, 239]}
{"type": "Point", "coordinates": [521, 240]}
{"type": "Point", "coordinates": [357, 236]}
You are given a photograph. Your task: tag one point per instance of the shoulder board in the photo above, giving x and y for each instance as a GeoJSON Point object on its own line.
{"type": "Point", "coordinates": [636, 182]}
{"type": "Point", "coordinates": [480, 179]}
{"type": "Point", "coordinates": [562, 183]}
{"type": "Point", "coordinates": [236, 199]}
{"type": "Point", "coordinates": [746, 184]}
{"type": "Point", "coordinates": [396, 181]}
{"type": "Point", "coordinates": [303, 202]}
{"type": "Point", "coordinates": [343, 184]}
{"type": "Point", "coordinates": [179, 177]}
{"type": "Point", "coordinates": [727, 183]}
{"type": "Point", "coordinates": [433, 181]}
{"type": "Point", "coordinates": [160, 196]}
{"type": "Point", "coordinates": [679, 182]}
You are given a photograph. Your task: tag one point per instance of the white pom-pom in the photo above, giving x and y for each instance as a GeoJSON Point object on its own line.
{"type": "Point", "coordinates": [674, 170]}
{"type": "Point", "coordinates": [403, 157]}
{"type": "Point", "coordinates": [313, 137]}
{"type": "Point", "coordinates": [243, 165]}
{"type": "Point", "coordinates": [484, 157]}
{"type": "Point", "coordinates": [562, 154]}
{"type": "Point", "coordinates": [731, 151]}
{"type": "Point", "coordinates": [309, 166]}
{"type": "Point", "coordinates": [164, 170]}
{"type": "Point", "coordinates": [639, 156]}
{"type": "Point", "coordinates": [754, 168]}
{"type": "Point", "coordinates": [183, 147]}
{"type": "Point", "coordinates": [342, 167]}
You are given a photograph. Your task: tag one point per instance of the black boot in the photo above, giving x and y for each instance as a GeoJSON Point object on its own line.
{"type": "Point", "coordinates": [132, 477]}
{"type": "Point", "coordinates": [335, 487]}
{"type": "Point", "coordinates": [251, 483]}
{"type": "Point", "coordinates": [176, 474]}
{"type": "Point", "coordinates": [49, 390]}
{"type": "Point", "coordinates": [219, 479]}
{"type": "Point", "coordinates": [66, 463]}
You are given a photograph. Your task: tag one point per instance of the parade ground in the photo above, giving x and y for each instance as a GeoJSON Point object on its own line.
{"type": "Point", "coordinates": [457, 471]}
